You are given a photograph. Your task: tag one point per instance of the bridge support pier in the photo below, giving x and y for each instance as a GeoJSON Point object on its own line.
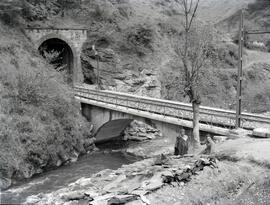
{"type": "Point", "coordinates": [99, 116]}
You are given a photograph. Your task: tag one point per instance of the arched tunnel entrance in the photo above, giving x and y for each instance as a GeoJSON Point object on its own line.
{"type": "Point", "coordinates": [59, 54]}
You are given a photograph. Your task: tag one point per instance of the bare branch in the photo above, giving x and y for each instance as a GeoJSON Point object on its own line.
{"type": "Point", "coordinates": [193, 14]}
{"type": "Point", "coordinates": [190, 6]}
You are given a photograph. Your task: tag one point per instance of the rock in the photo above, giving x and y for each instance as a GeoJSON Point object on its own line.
{"type": "Point", "coordinates": [58, 163]}
{"type": "Point", "coordinates": [236, 133]}
{"type": "Point", "coordinates": [137, 138]}
{"type": "Point", "coordinates": [162, 159]}
{"type": "Point", "coordinates": [76, 203]}
{"type": "Point", "coordinates": [62, 155]}
{"type": "Point", "coordinates": [115, 183]}
{"type": "Point", "coordinates": [91, 193]}
{"type": "Point", "coordinates": [184, 177]}
{"type": "Point", "coordinates": [220, 139]}
{"type": "Point", "coordinates": [83, 182]}
{"type": "Point", "coordinates": [139, 192]}
{"type": "Point", "coordinates": [147, 72]}
{"type": "Point", "coordinates": [102, 200]}
{"type": "Point", "coordinates": [167, 177]}
{"type": "Point", "coordinates": [79, 147]}
{"type": "Point", "coordinates": [74, 154]}
{"type": "Point", "coordinates": [73, 196]}
{"type": "Point", "coordinates": [261, 132]}
{"type": "Point", "coordinates": [143, 133]}
{"type": "Point", "coordinates": [88, 142]}
{"type": "Point", "coordinates": [154, 183]}
{"type": "Point", "coordinates": [5, 183]}
{"type": "Point", "coordinates": [121, 199]}
{"type": "Point", "coordinates": [32, 200]}
{"type": "Point", "coordinates": [120, 76]}
{"type": "Point", "coordinates": [54, 159]}
{"type": "Point", "coordinates": [144, 200]}
{"type": "Point", "coordinates": [151, 136]}
{"type": "Point", "coordinates": [139, 131]}
{"type": "Point", "coordinates": [167, 173]}
{"type": "Point", "coordinates": [107, 55]}
{"type": "Point", "coordinates": [26, 171]}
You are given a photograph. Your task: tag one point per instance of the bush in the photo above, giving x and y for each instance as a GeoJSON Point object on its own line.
{"type": "Point", "coordinates": [139, 40]}
{"type": "Point", "coordinates": [256, 97]}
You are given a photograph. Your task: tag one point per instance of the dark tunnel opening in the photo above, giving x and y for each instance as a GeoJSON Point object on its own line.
{"type": "Point", "coordinates": [59, 54]}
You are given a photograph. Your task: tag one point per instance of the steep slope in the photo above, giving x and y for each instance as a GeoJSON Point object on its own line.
{"type": "Point", "coordinates": [40, 124]}
{"type": "Point", "coordinates": [137, 51]}
{"type": "Point", "coordinates": [217, 10]}
{"type": "Point", "coordinates": [256, 63]}
{"type": "Point", "coordinates": [256, 17]}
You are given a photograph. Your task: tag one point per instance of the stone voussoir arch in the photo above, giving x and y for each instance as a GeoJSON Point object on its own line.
{"type": "Point", "coordinates": [57, 36]}
{"type": "Point", "coordinates": [74, 38]}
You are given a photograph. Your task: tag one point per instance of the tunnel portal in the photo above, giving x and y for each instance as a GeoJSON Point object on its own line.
{"type": "Point", "coordinates": [71, 39]}
{"type": "Point", "coordinates": [59, 54]}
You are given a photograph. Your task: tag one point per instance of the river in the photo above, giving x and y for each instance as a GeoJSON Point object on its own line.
{"type": "Point", "coordinates": [61, 177]}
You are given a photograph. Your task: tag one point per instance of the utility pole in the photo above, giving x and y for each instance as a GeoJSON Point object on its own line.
{"type": "Point", "coordinates": [98, 70]}
{"type": "Point", "coordinates": [97, 59]}
{"type": "Point", "coordinates": [242, 35]}
{"type": "Point", "coordinates": [240, 71]}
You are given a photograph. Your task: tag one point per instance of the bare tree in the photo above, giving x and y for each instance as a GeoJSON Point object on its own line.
{"type": "Point", "coordinates": [193, 51]}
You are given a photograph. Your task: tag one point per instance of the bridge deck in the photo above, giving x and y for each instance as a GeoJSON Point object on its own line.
{"type": "Point", "coordinates": [174, 112]}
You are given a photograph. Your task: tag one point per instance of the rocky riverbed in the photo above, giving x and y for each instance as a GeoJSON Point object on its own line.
{"type": "Point", "coordinates": [131, 183]}
{"type": "Point", "coordinates": [139, 131]}
{"type": "Point", "coordinates": [223, 178]}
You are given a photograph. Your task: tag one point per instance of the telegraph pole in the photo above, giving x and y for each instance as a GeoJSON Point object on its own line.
{"type": "Point", "coordinates": [240, 71]}
{"type": "Point", "coordinates": [98, 70]}
{"type": "Point", "coordinates": [97, 59]}
{"type": "Point", "coordinates": [242, 35]}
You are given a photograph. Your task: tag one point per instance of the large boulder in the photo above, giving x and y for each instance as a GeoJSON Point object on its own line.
{"type": "Point", "coordinates": [4, 183]}
{"type": "Point", "coordinates": [261, 132]}
{"type": "Point", "coordinates": [140, 131]}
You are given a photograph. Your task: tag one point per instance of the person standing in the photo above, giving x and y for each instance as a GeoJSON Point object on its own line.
{"type": "Point", "coordinates": [181, 144]}
{"type": "Point", "coordinates": [210, 145]}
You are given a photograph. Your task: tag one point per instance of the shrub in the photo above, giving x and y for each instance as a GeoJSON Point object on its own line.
{"type": "Point", "coordinates": [139, 40]}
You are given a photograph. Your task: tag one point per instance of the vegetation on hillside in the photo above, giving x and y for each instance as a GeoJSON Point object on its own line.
{"type": "Point", "coordinates": [134, 41]}
{"type": "Point", "coordinates": [40, 122]}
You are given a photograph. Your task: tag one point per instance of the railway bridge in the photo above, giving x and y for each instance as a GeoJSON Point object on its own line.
{"type": "Point", "coordinates": [103, 107]}
{"type": "Point", "coordinates": [107, 109]}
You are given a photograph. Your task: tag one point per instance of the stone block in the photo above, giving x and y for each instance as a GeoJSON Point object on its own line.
{"type": "Point", "coordinates": [261, 132]}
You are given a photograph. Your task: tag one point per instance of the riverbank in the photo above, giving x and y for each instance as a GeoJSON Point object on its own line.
{"type": "Point", "coordinates": [224, 178]}
{"type": "Point", "coordinates": [61, 177]}
{"type": "Point", "coordinates": [41, 126]}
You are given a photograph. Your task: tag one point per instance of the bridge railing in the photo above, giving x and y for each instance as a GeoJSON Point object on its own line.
{"type": "Point", "coordinates": [208, 115]}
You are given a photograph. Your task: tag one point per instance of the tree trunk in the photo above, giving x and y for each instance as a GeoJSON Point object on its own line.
{"type": "Point", "coordinates": [196, 124]}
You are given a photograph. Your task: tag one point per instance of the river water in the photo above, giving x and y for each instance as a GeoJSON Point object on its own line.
{"type": "Point", "coordinates": [61, 177]}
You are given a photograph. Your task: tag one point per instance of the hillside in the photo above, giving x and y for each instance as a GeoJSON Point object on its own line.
{"type": "Point", "coordinates": [256, 62]}
{"type": "Point", "coordinates": [134, 40]}
{"type": "Point", "coordinates": [215, 11]}
{"type": "Point", "coordinates": [40, 124]}
{"type": "Point", "coordinates": [256, 17]}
